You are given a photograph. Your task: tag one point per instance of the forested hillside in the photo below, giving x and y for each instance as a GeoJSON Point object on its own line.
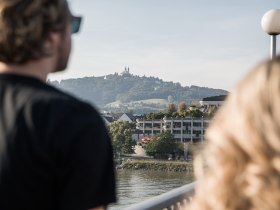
{"type": "Point", "coordinates": [126, 87]}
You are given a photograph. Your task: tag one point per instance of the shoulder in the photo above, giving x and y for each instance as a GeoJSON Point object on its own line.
{"type": "Point", "coordinates": [61, 110]}
{"type": "Point", "coordinates": [64, 102]}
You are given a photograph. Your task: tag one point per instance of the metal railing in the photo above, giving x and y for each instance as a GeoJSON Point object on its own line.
{"type": "Point", "coordinates": [172, 200]}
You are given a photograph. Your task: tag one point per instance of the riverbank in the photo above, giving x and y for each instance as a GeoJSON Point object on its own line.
{"type": "Point", "coordinates": [157, 165]}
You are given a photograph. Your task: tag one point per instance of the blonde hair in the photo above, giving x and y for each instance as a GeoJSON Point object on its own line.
{"type": "Point", "coordinates": [239, 169]}
{"type": "Point", "coordinates": [25, 25]}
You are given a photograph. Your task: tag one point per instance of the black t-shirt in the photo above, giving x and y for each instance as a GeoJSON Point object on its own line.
{"type": "Point", "coordinates": [55, 152]}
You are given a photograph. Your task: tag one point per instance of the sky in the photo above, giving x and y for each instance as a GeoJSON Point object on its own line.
{"type": "Point", "coordinates": [193, 42]}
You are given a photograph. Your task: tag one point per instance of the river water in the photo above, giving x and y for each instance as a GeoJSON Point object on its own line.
{"type": "Point", "coordinates": [134, 186]}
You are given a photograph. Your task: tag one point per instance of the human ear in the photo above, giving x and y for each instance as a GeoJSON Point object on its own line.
{"type": "Point", "coordinates": [51, 43]}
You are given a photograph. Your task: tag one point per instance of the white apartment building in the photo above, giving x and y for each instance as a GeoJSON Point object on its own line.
{"type": "Point", "coordinates": [213, 101]}
{"type": "Point", "coordinates": [183, 129]}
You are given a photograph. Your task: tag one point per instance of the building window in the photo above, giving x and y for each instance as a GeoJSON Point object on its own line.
{"type": "Point", "coordinates": [187, 124]}
{"type": "Point", "coordinates": [197, 124]}
{"type": "Point", "coordinates": [148, 125]}
{"type": "Point", "coordinates": [187, 132]}
{"type": "Point", "coordinates": [177, 125]}
{"type": "Point", "coordinates": [168, 125]}
{"type": "Point", "coordinates": [157, 125]}
{"type": "Point", "coordinates": [197, 132]}
{"type": "Point", "coordinates": [176, 132]}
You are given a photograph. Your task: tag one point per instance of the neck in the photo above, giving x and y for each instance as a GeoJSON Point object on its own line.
{"type": "Point", "coordinates": [38, 69]}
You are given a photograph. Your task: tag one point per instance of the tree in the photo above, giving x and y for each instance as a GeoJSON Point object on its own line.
{"type": "Point", "coordinates": [170, 99]}
{"type": "Point", "coordinates": [211, 111]}
{"type": "Point", "coordinates": [149, 116]}
{"type": "Point", "coordinates": [154, 115]}
{"type": "Point", "coordinates": [182, 106]}
{"type": "Point", "coordinates": [175, 114]}
{"type": "Point", "coordinates": [121, 135]}
{"type": "Point", "coordinates": [189, 148]}
{"type": "Point", "coordinates": [196, 113]}
{"type": "Point", "coordinates": [171, 108]}
{"type": "Point", "coordinates": [159, 115]}
{"type": "Point", "coordinates": [161, 145]}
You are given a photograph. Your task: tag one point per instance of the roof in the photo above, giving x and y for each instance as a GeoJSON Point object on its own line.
{"type": "Point", "coordinates": [131, 116]}
{"type": "Point", "coordinates": [215, 98]}
{"type": "Point", "coordinates": [108, 118]}
{"type": "Point", "coordinates": [116, 116]}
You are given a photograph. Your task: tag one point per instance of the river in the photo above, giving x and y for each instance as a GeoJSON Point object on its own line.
{"type": "Point", "coordinates": [134, 186]}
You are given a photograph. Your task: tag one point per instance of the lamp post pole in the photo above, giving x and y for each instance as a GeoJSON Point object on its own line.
{"type": "Point", "coordinates": [272, 46]}
{"type": "Point", "coordinates": [271, 25]}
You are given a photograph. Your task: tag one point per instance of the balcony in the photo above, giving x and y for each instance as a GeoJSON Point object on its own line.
{"type": "Point", "coordinates": [147, 128]}
{"type": "Point", "coordinates": [184, 136]}
{"type": "Point", "coordinates": [166, 127]}
{"type": "Point", "coordinates": [197, 128]}
{"type": "Point", "coordinates": [139, 127]}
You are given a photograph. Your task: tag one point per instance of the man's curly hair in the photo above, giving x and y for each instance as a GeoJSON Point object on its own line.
{"type": "Point", "coordinates": [25, 25]}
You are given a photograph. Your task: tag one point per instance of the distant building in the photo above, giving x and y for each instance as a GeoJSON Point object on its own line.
{"type": "Point", "coordinates": [126, 72]}
{"type": "Point", "coordinates": [184, 129]}
{"type": "Point", "coordinates": [213, 101]}
{"type": "Point", "coordinates": [116, 116]}
{"type": "Point", "coordinates": [127, 117]}
{"type": "Point", "coordinates": [112, 117]}
{"type": "Point", "coordinates": [107, 119]}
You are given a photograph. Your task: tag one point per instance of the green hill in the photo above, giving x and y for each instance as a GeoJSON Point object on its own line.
{"type": "Point", "coordinates": [126, 88]}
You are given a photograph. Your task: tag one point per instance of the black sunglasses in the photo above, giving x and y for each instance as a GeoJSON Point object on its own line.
{"type": "Point", "coordinates": [75, 23]}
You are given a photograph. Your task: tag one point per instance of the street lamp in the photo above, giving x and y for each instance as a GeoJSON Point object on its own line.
{"type": "Point", "coordinates": [271, 25]}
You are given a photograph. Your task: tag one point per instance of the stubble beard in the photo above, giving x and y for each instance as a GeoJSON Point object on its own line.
{"type": "Point", "coordinates": [64, 51]}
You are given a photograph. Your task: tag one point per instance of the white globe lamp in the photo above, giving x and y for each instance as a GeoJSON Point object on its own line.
{"type": "Point", "coordinates": [271, 25]}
